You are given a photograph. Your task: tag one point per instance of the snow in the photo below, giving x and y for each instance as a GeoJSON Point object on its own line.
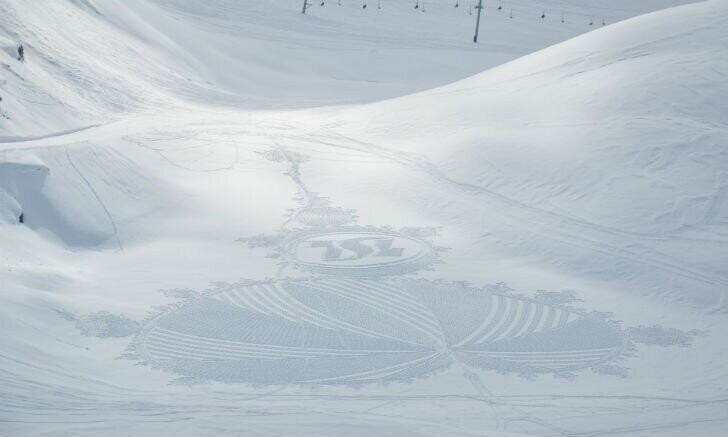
{"type": "Point", "coordinates": [239, 219]}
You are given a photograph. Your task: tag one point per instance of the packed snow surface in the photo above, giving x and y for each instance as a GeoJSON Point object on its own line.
{"type": "Point", "coordinates": [228, 217]}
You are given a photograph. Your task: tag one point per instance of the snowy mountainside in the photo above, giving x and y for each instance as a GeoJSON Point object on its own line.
{"type": "Point", "coordinates": [621, 131]}
{"type": "Point", "coordinates": [534, 249]}
{"type": "Point", "coordinates": [93, 61]}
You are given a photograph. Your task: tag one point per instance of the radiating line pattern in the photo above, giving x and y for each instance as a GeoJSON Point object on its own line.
{"type": "Point", "coordinates": [354, 331]}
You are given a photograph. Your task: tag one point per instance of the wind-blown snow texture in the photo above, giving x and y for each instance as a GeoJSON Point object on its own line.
{"type": "Point", "coordinates": [237, 218]}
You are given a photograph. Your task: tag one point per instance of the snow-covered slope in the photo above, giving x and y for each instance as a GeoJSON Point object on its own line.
{"type": "Point", "coordinates": [89, 62]}
{"type": "Point", "coordinates": [618, 135]}
{"type": "Point", "coordinates": [538, 249]}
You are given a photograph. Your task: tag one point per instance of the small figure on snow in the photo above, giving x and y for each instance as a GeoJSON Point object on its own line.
{"type": "Point", "coordinates": [21, 218]}
{"type": "Point", "coordinates": [21, 53]}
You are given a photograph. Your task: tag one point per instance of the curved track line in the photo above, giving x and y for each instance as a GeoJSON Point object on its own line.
{"type": "Point", "coordinates": [402, 316]}
{"type": "Point", "coordinates": [489, 320]}
{"type": "Point", "coordinates": [98, 199]}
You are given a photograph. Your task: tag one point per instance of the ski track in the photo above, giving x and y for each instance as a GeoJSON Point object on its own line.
{"type": "Point", "coordinates": [98, 199]}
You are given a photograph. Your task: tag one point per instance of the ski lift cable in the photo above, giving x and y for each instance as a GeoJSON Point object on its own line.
{"type": "Point", "coordinates": [520, 8]}
{"type": "Point", "coordinates": [515, 8]}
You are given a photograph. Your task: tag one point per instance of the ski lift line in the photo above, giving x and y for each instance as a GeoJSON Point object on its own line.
{"type": "Point", "coordinates": [521, 9]}
{"type": "Point", "coordinates": [546, 14]}
{"type": "Point", "coordinates": [515, 9]}
{"type": "Point", "coordinates": [516, 5]}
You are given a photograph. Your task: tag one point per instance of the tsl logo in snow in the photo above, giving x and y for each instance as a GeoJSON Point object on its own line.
{"type": "Point", "coordinates": [359, 253]}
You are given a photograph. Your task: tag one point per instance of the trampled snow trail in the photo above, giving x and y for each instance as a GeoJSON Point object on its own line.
{"type": "Point", "coordinates": [534, 250]}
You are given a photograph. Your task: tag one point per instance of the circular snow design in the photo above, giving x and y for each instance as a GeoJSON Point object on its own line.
{"type": "Point", "coordinates": [355, 331]}
{"type": "Point", "coordinates": [358, 252]}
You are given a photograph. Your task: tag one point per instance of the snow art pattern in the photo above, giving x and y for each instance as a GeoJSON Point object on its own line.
{"type": "Point", "coordinates": [358, 315]}
{"type": "Point", "coordinates": [352, 331]}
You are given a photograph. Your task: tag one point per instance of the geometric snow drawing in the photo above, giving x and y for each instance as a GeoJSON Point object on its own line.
{"type": "Point", "coordinates": [356, 318]}
{"type": "Point", "coordinates": [331, 244]}
{"type": "Point", "coordinates": [357, 252]}
{"type": "Point", "coordinates": [357, 331]}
